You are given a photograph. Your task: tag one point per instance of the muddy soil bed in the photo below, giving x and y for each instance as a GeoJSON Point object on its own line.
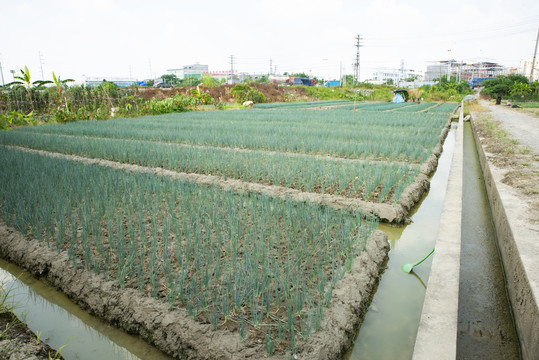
{"type": "Point", "coordinates": [177, 334]}
{"type": "Point", "coordinates": [18, 342]}
{"type": "Point", "coordinates": [387, 212]}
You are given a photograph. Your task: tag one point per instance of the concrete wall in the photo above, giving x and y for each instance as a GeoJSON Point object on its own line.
{"type": "Point", "coordinates": [518, 248]}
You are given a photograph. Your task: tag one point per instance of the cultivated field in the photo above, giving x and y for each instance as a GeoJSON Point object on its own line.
{"type": "Point", "coordinates": [245, 219]}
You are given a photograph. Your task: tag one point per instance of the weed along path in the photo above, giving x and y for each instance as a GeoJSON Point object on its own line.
{"type": "Point", "coordinates": [523, 127]}
{"type": "Point", "coordinates": [211, 253]}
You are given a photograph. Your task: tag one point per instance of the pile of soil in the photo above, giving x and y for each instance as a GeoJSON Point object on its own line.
{"type": "Point", "coordinates": [272, 92]}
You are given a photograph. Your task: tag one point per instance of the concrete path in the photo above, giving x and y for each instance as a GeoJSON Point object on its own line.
{"type": "Point", "coordinates": [523, 127]}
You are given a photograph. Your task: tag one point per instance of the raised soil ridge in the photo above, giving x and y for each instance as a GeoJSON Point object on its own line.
{"type": "Point", "coordinates": [172, 330]}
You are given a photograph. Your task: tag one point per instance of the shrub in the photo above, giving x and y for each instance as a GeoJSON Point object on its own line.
{"type": "Point", "coordinates": [244, 92]}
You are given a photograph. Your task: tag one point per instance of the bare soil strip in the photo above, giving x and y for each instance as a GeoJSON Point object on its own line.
{"type": "Point", "coordinates": [386, 212]}
{"type": "Point", "coordinates": [172, 330]}
{"type": "Point", "coordinates": [432, 107]}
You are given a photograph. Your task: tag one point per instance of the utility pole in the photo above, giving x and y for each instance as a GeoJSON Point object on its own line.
{"type": "Point", "coordinates": [2, 73]}
{"type": "Point", "coordinates": [271, 67]}
{"type": "Point", "coordinates": [231, 69]}
{"type": "Point", "coordinates": [356, 62]}
{"type": "Point", "coordinates": [534, 56]}
{"type": "Point", "coordinates": [340, 73]}
{"type": "Point", "coordinates": [401, 73]}
{"type": "Point", "coordinates": [41, 62]}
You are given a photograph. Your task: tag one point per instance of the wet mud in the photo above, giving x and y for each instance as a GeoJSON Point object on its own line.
{"type": "Point", "coordinates": [172, 330]}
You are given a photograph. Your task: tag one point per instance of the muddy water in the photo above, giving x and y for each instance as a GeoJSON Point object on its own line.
{"type": "Point", "coordinates": [390, 326]}
{"type": "Point", "coordinates": [485, 326]}
{"type": "Point", "coordinates": [61, 321]}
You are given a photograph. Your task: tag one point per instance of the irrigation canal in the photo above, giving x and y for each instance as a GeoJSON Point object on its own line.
{"type": "Point", "coordinates": [485, 323]}
{"type": "Point", "coordinates": [390, 325]}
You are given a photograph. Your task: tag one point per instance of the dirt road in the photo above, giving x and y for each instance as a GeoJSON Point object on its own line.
{"type": "Point", "coordinates": [523, 127]}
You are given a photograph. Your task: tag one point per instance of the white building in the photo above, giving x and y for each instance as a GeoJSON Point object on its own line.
{"type": "Point", "coordinates": [525, 69]}
{"type": "Point", "coordinates": [396, 76]}
{"type": "Point", "coordinates": [191, 71]}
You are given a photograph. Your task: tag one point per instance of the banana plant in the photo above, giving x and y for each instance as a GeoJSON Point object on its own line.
{"type": "Point", "coordinates": [60, 84]}
{"type": "Point", "coordinates": [25, 80]}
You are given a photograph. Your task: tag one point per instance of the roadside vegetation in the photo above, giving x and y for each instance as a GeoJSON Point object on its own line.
{"type": "Point", "coordinates": [506, 152]}
{"type": "Point", "coordinates": [445, 90]}
{"type": "Point", "coordinates": [512, 87]}
{"type": "Point", "coordinates": [28, 102]}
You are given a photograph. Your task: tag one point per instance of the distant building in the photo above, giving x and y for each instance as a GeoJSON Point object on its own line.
{"type": "Point", "coordinates": [122, 82]}
{"type": "Point", "coordinates": [220, 75]}
{"type": "Point", "coordinates": [189, 71]}
{"type": "Point", "coordinates": [464, 71]}
{"type": "Point", "coordinates": [396, 76]}
{"type": "Point", "coordinates": [525, 69]}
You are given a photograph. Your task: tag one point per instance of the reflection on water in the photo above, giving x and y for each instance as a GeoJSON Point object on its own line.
{"type": "Point", "coordinates": [418, 278]}
{"type": "Point", "coordinates": [61, 321]}
{"type": "Point", "coordinates": [390, 325]}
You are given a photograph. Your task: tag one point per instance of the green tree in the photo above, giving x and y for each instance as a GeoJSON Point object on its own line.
{"type": "Point", "coordinates": [502, 86]}
{"type": "Point", "coordinates": [170, 79]}
{"type": "Point", "coordinates": [208, 81]}
{"type": "Point", "coordinates": [302, 74]}
{"type": "Point", "coordinates": [262, 80]}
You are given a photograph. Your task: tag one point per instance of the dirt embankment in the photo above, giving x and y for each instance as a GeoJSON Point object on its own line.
{"type": "Point", "coordinates": [18, 342]}
{"type": "Point", "coordinates": [172, 330]}
{"type": "Point", "coordinates": [272, 92]}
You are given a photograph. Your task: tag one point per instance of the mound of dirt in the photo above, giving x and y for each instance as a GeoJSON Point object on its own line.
{"type": "Point", "coordinates": [272, 92]}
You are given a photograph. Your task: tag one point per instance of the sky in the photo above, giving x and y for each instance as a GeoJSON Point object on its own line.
{"type": "Point", "coordinates": [141, 39]}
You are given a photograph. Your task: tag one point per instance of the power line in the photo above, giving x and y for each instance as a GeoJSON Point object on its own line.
{"type": "Point", "coordinates": [41, 62]}
{"type": "Point", "coordinates": [356, 62]}
{"type": "Point", "coordinates": [231, 68]}
{"type": "Point", "coordinates": [534, 56]}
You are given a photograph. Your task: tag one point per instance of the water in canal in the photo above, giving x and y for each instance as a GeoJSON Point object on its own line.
{"type": "Point", "coordinates": [390, 325]}
{"type": "Point", "coordinates": [485, 324]}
